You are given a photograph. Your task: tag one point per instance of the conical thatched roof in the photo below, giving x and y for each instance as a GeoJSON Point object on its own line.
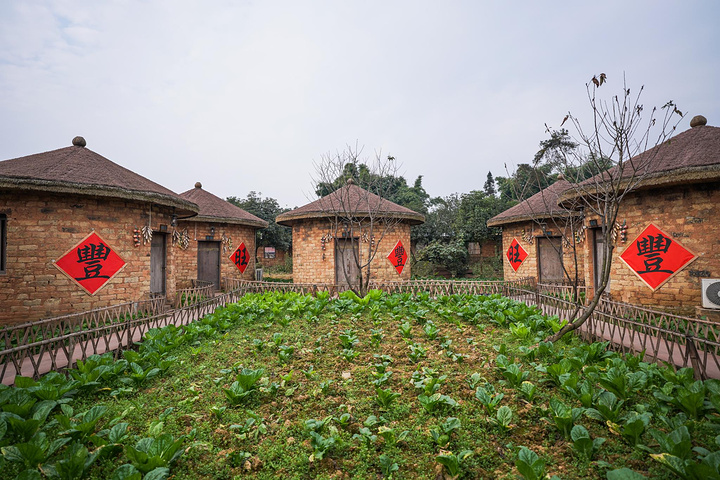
{"type": "Point", "coordinates": [692, 156]}
{"type": "Point", "coordinates": [350, 198]}
{"type": "Point", "coordinates": [543, 204]}
{"type": "Point", "coordinates": [215, 209]}
{"type": "Point", "coordinates": [79, 170]}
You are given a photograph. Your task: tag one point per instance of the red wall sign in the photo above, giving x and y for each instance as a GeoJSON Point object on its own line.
{"type": "Point", "coordinates": [240, 257]}
{"type": "Point", "coordinates": [516, 254]}
{"type": "Point", "coordinates": [398, 257]}
{"type": "Point", "coordinates": [91, 263]}
{"type": "Point", "coordinates": [655, 257]}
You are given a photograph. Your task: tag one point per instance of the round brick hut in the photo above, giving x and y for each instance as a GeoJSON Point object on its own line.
{"type": "Point", "coordinates": [676, 208]}
{"type": "Point", "coordinates": [335, 233]}
{"type": "Point", "coordinates": [532, 238]}
{"type": "Point", "coordinates": [667, 248]}
{"type": "Point", "coordinates": [211, 239]}
{"type": "Point", "coordinates": [107, 227]}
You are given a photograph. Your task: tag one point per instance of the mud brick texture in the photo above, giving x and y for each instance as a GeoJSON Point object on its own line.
{"type": "Point", "coordinates": [312, 264]}
{"type": "Point", "coordinates": [41, 227]}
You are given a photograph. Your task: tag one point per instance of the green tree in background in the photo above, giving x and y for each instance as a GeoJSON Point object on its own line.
{"type": "Point", "coordinates": [489, 187]}
{"type": "Point", "coordinates": [475, 209]}
{"type": "Point", "coordinates": [526, 181]}
{"type": "Point", "coordinates": [440, 221]}
{"type": "Point", "coordinates": [550, 161]}
{"type": "Point", "coordinates": [266, 208]}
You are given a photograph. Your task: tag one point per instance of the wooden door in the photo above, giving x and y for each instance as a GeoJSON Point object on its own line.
{"type": "Point", "coordinates": [598, 252]}
{"type": "Point", "coordinates": [346, 268]}
{"type": "Point", "coordinates": [550, 259]}
{"type": "Point", "coordinates": [209, 263]}
{"type": "Point", "coordinates": [157, 264]}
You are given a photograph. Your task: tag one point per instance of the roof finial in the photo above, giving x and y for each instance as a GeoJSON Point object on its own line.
{"type": "Point", "coordinates": [697, 121]}
{"type": "Point", "coordinates": [350, 181]}
{"type": "Point", "coordinates": [198, 185]}
{"type": "Point", "coordinates": [79, 141]}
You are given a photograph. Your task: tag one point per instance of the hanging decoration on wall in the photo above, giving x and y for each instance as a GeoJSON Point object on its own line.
{"type": "Point", "coordinates": [619, 231]}
{"type": "Point", "coordinates": [146, 230]}
{"type": "Point", "coordinates": [136, 237]}
{"type": "Point", "coordinates": [655, 258]}
{"type": "Point", "coordinates": [240, 257]}
{"type": "Point", "coordinates": [580, 235]}
{"type": "Point", "coordinates": [516, 254]}
{"type": "Point", "coordinates": [146, 234]}
{"type": "Point", "coordinates": [368, 239]}
{"type": "Point", "coordinates": [226, 243]}
{"type": "Point", "coordinates": [398, 257]}
{"type": "Point", "coordinates": [527, 236]}
{"type": "Point", "coordinates": [324, 240]}
{"type": "Point", "coordinates": [181, 239]}
{"type": "Point", "coordinates": [91, 263]}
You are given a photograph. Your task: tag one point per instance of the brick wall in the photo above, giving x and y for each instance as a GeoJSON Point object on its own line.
{"type": "Point", "coordinates": [279, 259]}
{"type": "Point", "coordinates": [187, 260]}
{"type": "Point", "coordinates": [312, 264]}
{"type": "Point", "coordinates": [42, 227]}
{"type": "Point", "coordinates": [478, 252]}
{"type": "Point", "coordinates": [691, 216]}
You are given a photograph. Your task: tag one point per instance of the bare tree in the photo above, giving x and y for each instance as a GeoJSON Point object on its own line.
{"type": "Point", "coordinates": [357, 209]}
{"type": "Point", "coordinates": [613, 158]}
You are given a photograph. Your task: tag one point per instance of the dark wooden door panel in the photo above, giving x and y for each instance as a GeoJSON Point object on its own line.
{"type": "Point", "coordinates": [346, 268]}
{"type": "Point", "coordinates": [209, 262]}
{"type": "Point", "coordinates": [550, 258]}
{"type": "Point", "coordinates": [157, 263]}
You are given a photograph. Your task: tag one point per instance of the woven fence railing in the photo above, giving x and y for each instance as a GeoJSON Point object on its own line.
{"type": "Point", "coordinates": [563, 290]}
{"type": "Point", "coordinates": [34, 348]}
{"type": "Point", "coordinates": [199, 291]}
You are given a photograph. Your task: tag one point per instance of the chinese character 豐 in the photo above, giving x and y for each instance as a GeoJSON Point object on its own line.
{"type": "Point", "coordinates": [399, 252]}
{"type": "Point", "coordinates": [653, 248]}
{"type": "Point", "coordinates": [93, 256]}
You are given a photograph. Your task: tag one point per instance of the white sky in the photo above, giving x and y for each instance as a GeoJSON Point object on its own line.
{"type": "Point", "coordinates": [245, 95]}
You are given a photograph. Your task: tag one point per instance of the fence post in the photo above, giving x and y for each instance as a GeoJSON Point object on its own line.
{"type": "Point", "coordinates": [694, 358]}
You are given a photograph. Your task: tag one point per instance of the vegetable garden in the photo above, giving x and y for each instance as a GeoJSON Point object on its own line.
{"type": "Point", "coordinates": [388, 386]}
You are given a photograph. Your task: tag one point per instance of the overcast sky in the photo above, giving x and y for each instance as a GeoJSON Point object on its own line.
{"type": "Point", "coordinates": [246, 95]}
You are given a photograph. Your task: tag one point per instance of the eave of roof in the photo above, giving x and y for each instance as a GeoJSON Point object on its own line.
{"type": "Point", "coordinates": [214, 209]}
{"type": "Point", "coordinates": [540, 206]}
{"type": "Point", "coordinates": [288, 219]}
{"type": "Point", "coordinates": [692, 156]}
{"type": "Point", "coordinates": [183, 207]}
{"type": "Point", "coordinates": [78, 170]}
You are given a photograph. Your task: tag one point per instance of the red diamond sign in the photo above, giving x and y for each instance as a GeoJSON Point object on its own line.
{"type": "Point", "coordinates": [91, 263]}
{"type": "Point", "coordinates": [398, 257]}
{"type": "Point", "coordinates": [516, 254]}
{"type": "Point", "coordinates": [655, 257]}
{"type": "Point", "coordinates": [240, 257]}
